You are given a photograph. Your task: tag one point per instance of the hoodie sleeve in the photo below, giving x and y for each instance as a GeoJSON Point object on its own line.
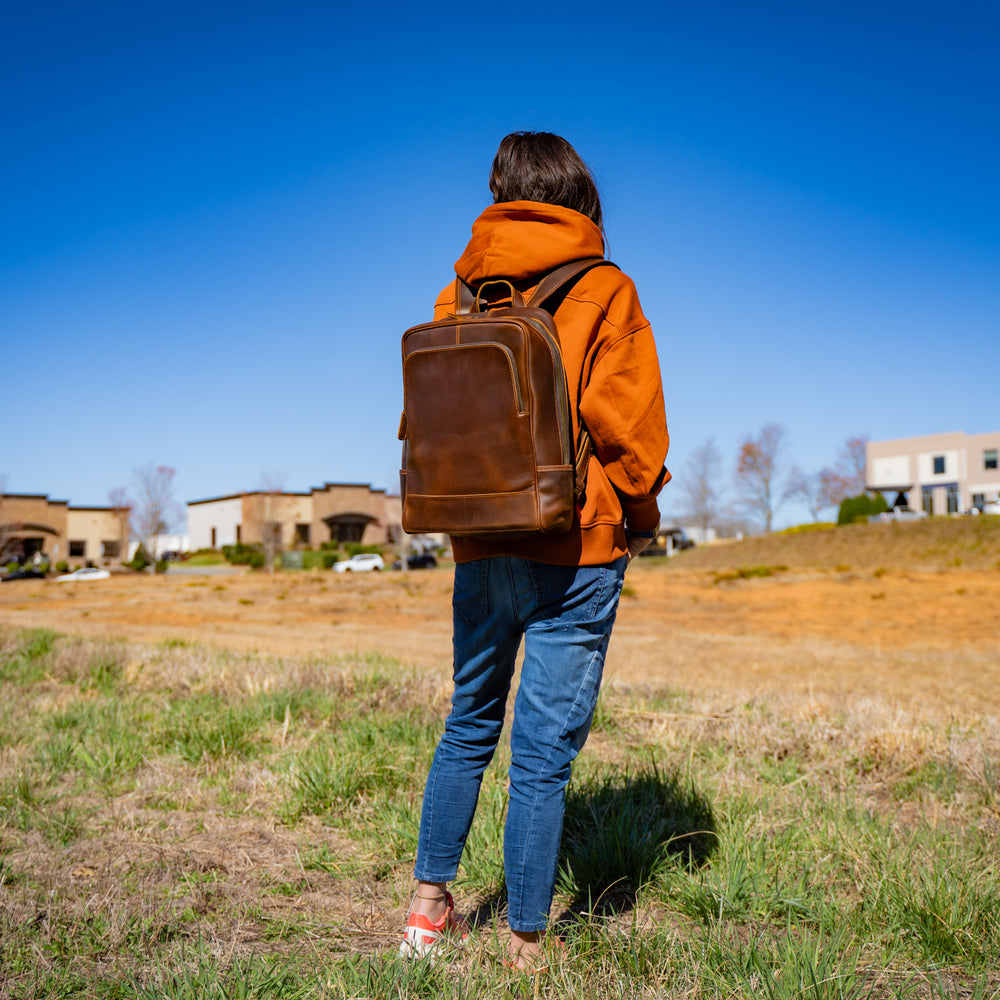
{"type": "Point", "coordinates": [622, 407]}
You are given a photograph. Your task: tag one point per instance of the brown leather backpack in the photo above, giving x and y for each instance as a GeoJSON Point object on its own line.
{"type": "Point", "coordinates": [486, 425]}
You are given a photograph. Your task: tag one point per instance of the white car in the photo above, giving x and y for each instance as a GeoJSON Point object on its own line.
{"type": "Point", "coordinates": [993, 507]}
{"type": "Point", "coordinates": [363, 562]}
{"type": "Point", "coordinates": [84, 573]}
{"type": "Point", "coordinates": [899, 514]}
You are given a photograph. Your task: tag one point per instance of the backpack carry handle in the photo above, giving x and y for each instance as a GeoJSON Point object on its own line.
{"type": "Point", "coordinates": [514, 298]}
{"type": "Point", "coordinates": [467, 297]}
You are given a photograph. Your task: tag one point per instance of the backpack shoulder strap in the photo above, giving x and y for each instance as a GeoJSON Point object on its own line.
{"type": "Point", "coordinates": [556, 280]}
{"type": "Point", "coordinates": [465, 297]}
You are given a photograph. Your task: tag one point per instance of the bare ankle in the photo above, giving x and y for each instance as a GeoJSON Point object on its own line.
{"type": "Point", "coordinates": [430, 900]}
{"type": "Point", "coordinates": [525, 942]}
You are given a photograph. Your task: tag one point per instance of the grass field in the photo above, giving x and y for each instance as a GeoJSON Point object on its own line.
{"type": "Point", "coordinates": [180, 818]}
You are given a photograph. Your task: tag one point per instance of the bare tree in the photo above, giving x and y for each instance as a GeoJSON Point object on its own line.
{"type": "Point", "coordinates": [759, 469]}
{"type": "Point", "coordinates": [155, 506]}
{"type": "Point", "coordinates": [699, 486]}
{"type": "Point", "coordinates": [268, 510]}
{"type": "Point", "coordinates": [846, 478]}
{"type": "Point", "coordinates": [807, 487]}
{"type": "Point", "coordinates": [121, 505]}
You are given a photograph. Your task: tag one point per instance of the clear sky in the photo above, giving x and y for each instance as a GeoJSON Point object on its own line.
{"type": "Point", "coordinates": [216, 219]}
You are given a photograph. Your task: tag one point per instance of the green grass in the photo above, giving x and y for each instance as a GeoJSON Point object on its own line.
{"type": "Point", "coordinates": [177, 822]}
{"type": "Point", "coordinates": [746, 573]}
{"type": "Point", "coordinates": [206, 559]}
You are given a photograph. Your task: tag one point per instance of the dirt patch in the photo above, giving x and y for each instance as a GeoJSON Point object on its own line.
{"type": "Point", "coordinates": [916, 638]}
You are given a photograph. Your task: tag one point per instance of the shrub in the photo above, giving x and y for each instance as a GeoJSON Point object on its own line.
{"type": "Point", "coordinates": [140, 560]}
{"type": "Point", "coordinates": [62, 566]}
{"type": "Point", "coordinates": [858, 509]}
{"type": "Point", "coordinates": [243, 555]}
{"type": "Point", "coordinates": [317, 560]}
{"type": "Point", "coordinates": [356, 548]}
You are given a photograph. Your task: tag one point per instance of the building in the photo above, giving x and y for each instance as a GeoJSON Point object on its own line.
{"type": "Point", "coordinates": [31, 523]}
{"type": "Point", "coordinates": [938, 473]}
{"type": "Point", "coordinates": [334, 512]}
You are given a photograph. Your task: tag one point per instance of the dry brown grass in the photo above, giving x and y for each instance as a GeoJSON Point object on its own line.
{"type": "Point", "coordinates": [934, 543]}
{"type": "Point", "coordinates": [856, 613]}
{"type": "Point", "coordinates": [811, 684]}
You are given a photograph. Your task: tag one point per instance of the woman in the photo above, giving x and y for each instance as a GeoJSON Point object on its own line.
{"type": "Point", "coordinates": [559, 592]}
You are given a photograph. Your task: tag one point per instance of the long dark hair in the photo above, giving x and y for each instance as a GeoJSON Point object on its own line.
{"type": "Point", "coordinates": [541, 166]}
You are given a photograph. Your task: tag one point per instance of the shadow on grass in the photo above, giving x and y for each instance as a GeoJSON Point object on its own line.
{"type": "Point", "coordinates": [622, 830]}
{"type": "Point", "coordinates": [625, 828]}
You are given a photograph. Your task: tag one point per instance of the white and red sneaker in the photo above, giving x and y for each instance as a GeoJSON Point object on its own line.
{"type": "Point", "coordinates": [422, 936]}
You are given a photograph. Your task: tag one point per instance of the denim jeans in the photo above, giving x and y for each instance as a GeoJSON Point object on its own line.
{"type": "Point", "coordinates": [565, 614]}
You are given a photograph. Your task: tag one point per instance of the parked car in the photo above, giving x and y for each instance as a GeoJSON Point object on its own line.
{"type": "Point", "coordinates": [27, 573]}
{"type": "Point", "coordinates": [899, 514]}
{"type": "Point", "coordinates": [84, 573]}
{"type": "Point", "coordinates": [417, 560]}
{"type": "Point", "coordinates": [991, 508]}
{"type": "Point", "coordinates": [678, 541]}
{"type": "Point", "coordinates": [363, 562]}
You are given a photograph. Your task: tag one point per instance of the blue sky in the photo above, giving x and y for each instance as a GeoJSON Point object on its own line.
{"type": "Point", "coordinates": [216, 220]}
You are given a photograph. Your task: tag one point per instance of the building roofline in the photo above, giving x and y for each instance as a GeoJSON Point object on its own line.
{"type": "Point", "coordinates": [32, 496]}
{"type": "Point", "coordinates": [920, 437]}
{"type": "Point", "coordinates": [363, 486]}
{"type": "Point", "coordinates": [228, 496]}
{"type": "Point", "coordinates": [247, 493]}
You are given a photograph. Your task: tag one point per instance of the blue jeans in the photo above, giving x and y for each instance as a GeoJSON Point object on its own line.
{"type": "Point", "coordinates": [565, 614]}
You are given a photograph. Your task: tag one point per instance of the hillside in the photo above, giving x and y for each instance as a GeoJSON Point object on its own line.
{"type": "Point", "coordinates": [935, 543]}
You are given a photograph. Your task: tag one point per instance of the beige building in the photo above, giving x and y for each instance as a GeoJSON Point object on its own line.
{"type": "Point", "coordinates": [937, 473]}
{"type": "Point", "coordinates": [31, 523]}
{"type": "Point", "coordinates": [338, 512]}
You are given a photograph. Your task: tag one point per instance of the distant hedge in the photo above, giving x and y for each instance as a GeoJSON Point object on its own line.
{"type": "Point", "coordinates": [318, 560]}
{"type": "Point", "coordinates": [854, 510]}
{"type": "Point", "coordinates": [244, 555]}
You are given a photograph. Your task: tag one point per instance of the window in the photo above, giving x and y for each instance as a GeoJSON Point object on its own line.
{"type": "Point", "coordinates": [77, 550]}
{"type": "Point", "coordinates": [239, 534]}
{"type": "Point", "coordinates": [213, 538]}
{"type": "Point", "coordinates": [953, 499]}
{"type": "Point", "coordinates": [927, 499]}
{"type": "Point", "coordinates": [346, 532]}
{"type": "Point", "coordinates": [29, 546]}
{"type": "Point", "coordinates": [348, 527]}
{"type": "Point", "coordinates": [979, 500]}
{"type": "Point", "coordinates": [939, 465]}
{"type": "Point", "coordinates": [109, 550]}
{"type": "Point", "coordinates": [302, 533]}
{"type": "Point", "coordinates": [990, 458]}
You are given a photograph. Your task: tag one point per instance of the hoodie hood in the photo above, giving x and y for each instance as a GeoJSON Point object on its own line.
{"type": "Point", "coordinates": [519, 239]}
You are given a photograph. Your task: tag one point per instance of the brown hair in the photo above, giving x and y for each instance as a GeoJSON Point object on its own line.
{"type": "Point", "coordinates": [541, 166]}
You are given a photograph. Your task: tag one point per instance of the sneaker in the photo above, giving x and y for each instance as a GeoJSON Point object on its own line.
{"type": "Point", "coordinates": [421, 936]}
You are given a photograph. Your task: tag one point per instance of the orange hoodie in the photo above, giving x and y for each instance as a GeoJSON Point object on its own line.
{"type": "Point", "coordinates": [611, 367]}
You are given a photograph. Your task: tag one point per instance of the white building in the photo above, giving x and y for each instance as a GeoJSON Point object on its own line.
{"type": "Point", "coordinates": [938, 473]}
